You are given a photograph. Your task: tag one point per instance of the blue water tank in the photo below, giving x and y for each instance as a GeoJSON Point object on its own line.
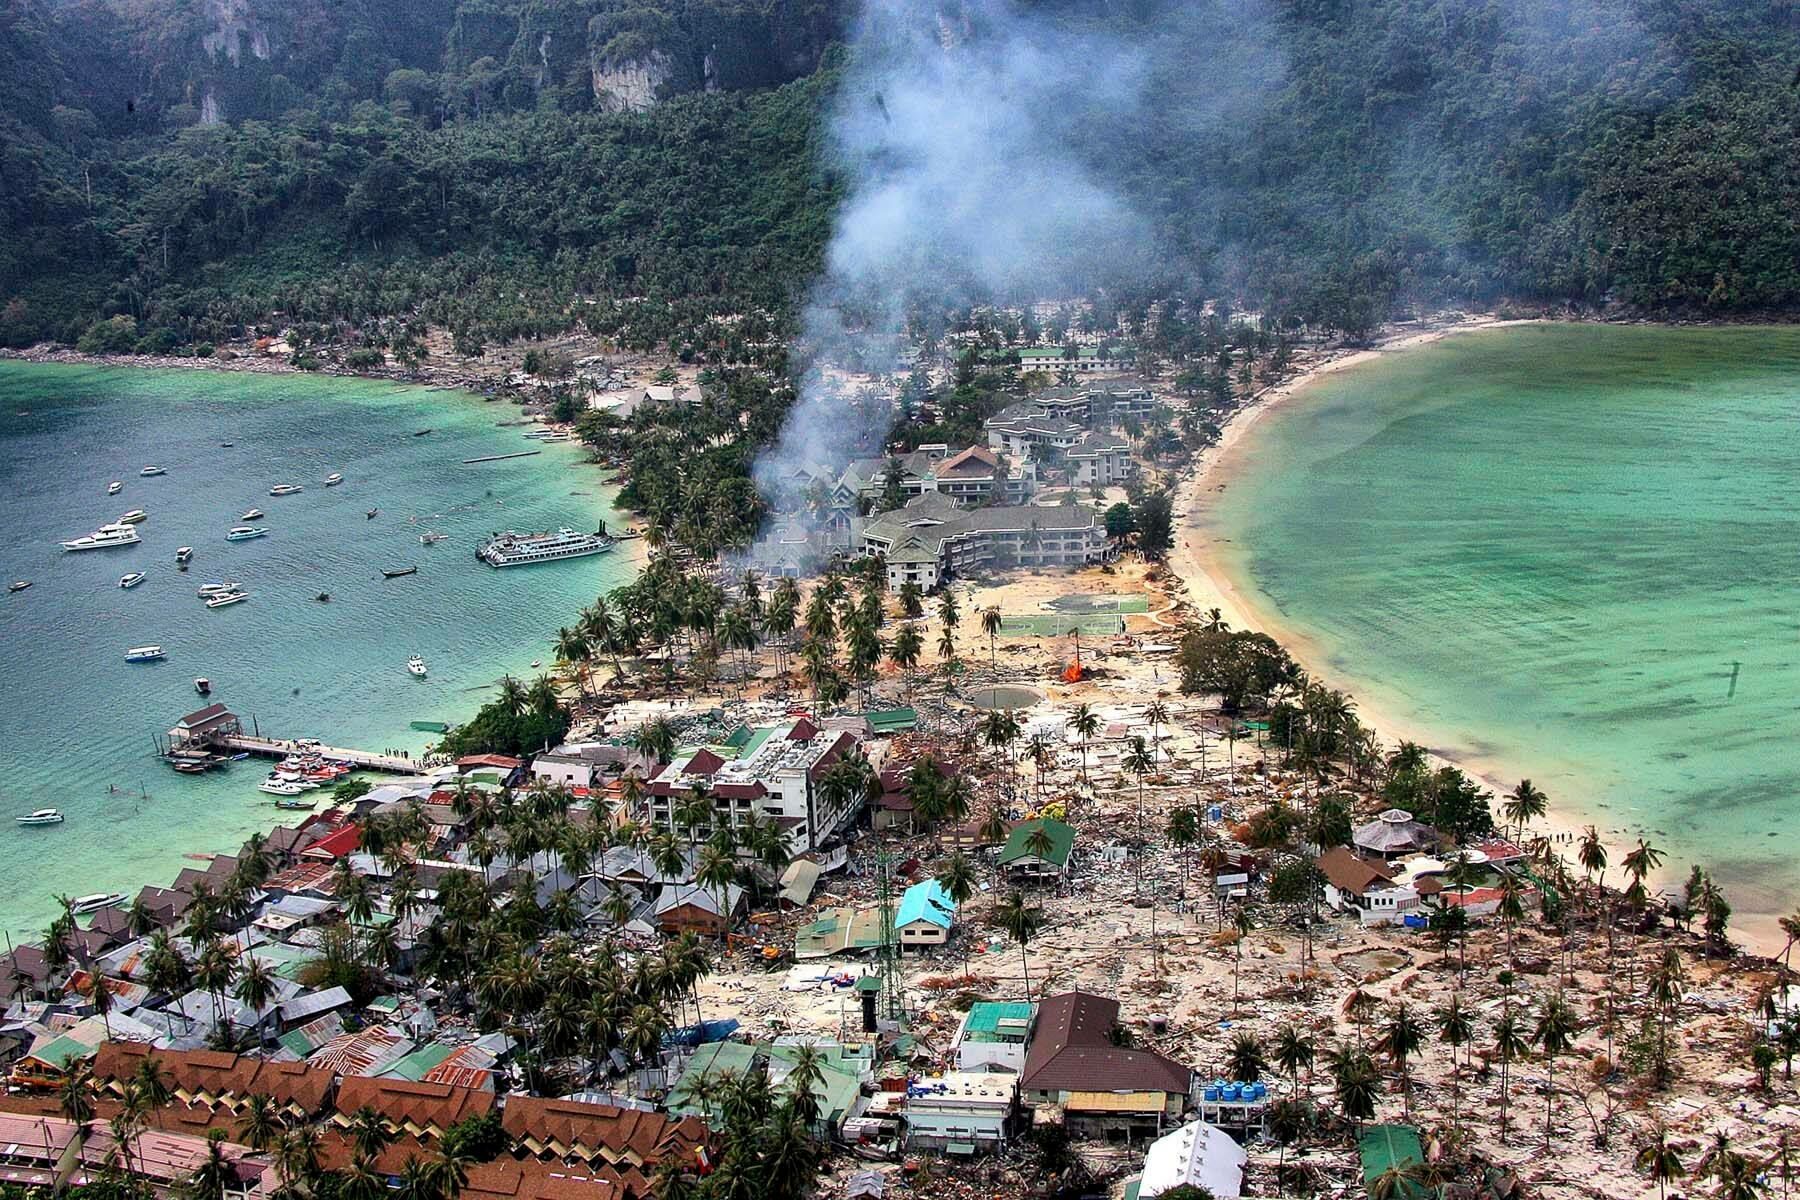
{"type": "Point", "coordinates": [1231, 1091]}
{"type": "Point", "coordinates": [1259, 1090]}
{"type": "Point", "coordinates": [1210, 1094]}
{"type": "Point", "coordinates": [1215, 813]}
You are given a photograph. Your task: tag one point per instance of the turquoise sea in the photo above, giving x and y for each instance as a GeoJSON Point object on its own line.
{"type": "Point", "coordinates": [77, 725]}
{"type": "Point", "coordinates": [1570, 553]}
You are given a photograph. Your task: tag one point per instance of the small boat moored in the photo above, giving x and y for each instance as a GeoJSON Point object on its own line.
{"type": "Point", "coordinates": [215, 589]}
{"type": "Point", "coordinates": [131, 580]}
{"type": "Point", "coordinates": [386, 573]}
{"type": "Point", "coordinates": [144, 654]}
{"type": "Point", "coordinates": [277, 786]}
{"type": "Point", "coordinates": [431, 538]}
{"type": "Point", "coordinates": [416, 665]}
{"type": "Point", "coordinates": [244, 533]}
{"type": "Point", "coordinates": [255, 514]}
{"type": "Point", "coordinates": [99, 900]}
{"type": "Point", "coordinates": [18, 585]}
{"type": "Point", "coordinates": [371, 514]}
{"type": "Point", "coordinates": [226, 599]}
{"type": "Point", "coordinates": [183, 553]}
{"type": "Point", "coordinates": [286, 489]}
{"type": "Point", "coordinates": [323, 597]}
{"type": "Point", "coordinates": [203, 686]}
{"type": "Point", "coordinates": [115, 487]}
{"type": "Point", "coordinates": [333, 479]}
{"type": "Point", "coordinates": [298, 803]}
{"type": "Point", "coordinates": [134, 516]}
{"type": "Point", "coordinates": [43, 816]}
{"type": "Point", "coordinates": [154, 471]}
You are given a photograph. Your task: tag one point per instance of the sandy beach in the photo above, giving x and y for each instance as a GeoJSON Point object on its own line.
{"type": "Point", "coordinates": [1201, 560]}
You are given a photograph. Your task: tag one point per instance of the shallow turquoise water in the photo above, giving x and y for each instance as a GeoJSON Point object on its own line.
{"type": "Point", "coordinates": [78, 720]}
{"type": "Point", "coordinates": [1564, 552]}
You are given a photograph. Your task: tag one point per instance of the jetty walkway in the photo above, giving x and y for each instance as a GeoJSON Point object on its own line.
{"type": "Point", "coordinates": [243, 743]}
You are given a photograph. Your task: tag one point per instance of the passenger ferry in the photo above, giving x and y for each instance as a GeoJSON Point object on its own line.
{"type": "Point", "coordinates": [511, 549]}
{"type": "Point", "coordinates": [104, 538]}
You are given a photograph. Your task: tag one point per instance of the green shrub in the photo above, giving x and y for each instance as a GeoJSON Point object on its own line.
{"type": "Point", "coordinates": [114, 335]}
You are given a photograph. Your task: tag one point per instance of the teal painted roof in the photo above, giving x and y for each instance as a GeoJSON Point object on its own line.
{"type": "Point", "coordinates": [892, 720]}
{"type": "Point", "coordinates": [985, 1016]}
{"type": "Point", "coordinates": [416, 1065]}
{"type": "Point", "coordinates": [926, 901]}
{"type": "Point", "coordinates": [1062, 840]}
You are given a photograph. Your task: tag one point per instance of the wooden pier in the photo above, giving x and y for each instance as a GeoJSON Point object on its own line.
{"type": "Point", "coordinates": [214, 733]}
{"type": "Point", "coordinates": [363, 760]}
{"type": "Point", "coordinates": [501, 457]}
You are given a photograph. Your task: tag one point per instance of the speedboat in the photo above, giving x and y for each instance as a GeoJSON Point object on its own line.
{"type": "Point", "coordinates": [183, 553]}
{"type": "Point", "coordinates": [298, 803]}
{"type": "Point", "coordinates": [333, 479]}
{"type": "Point", "coordinates": [95, 902]}
{"type": "Point", "coordinates": [285, 489]}
{"type": "Point", "coordinates": [106, 537]}
{"type": "Point", "coordinates": [133, 517]}
{"type": "Point", "coordinates": [203, 686]}
{"type": "Point", "coordinates": [371, 513]}
{"type": "Point", "coordinates": [225, 599]}
{"type": "Point", "coordinates": [18, 585]}
{"type": "Point", "coordinates": [280, 787]}
{"type": "Point", "coordinates": [131, 580]}
{"type": "Point", "coordinates": [144, 654]}
{"type": "Point", "coordinates": [416, 665]}
{"type": "Point", "coordinates": [215, 589]}
{"type": "Point", "coordinates": [114, 488]}
{"type": "Point", "coordinates": [255, 514]}
{"type": "Point", "coordinates": [432, 538]}
{"type": "Point", "coordinates": [43, 816]}
{"type": "Point", "coordinates": [154, 471]}
{"type": "Point", "coordinates": [398, 572]}
{"type": "Point", "coordinates": [244, 533]}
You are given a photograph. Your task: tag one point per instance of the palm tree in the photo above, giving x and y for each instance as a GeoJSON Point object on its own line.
{"type": "Point", "coordinates": [1659, 1160]}
{"type": "Point", "coordinates": [255, 984]}
{"type": "Point", "coordinates": [1509, 1043]}
{"type": "Point", "coordinates": [1356, 1082]}
{"type": "Point", "coordinates": [990, 625]}
{"type": "Point", "coordinates": [1524, 805]}
{"type": "Point", "coordinates": [1555, 1033]}
{"type": "Point", "coordinates": [1400, 1181]}
{"type": "Point", "coordinates": [1245, 1061]}
{"type": "Point", "coordinates": [216, 1174]}
{"type": "Point", "coordinates": [948, 612]}
{"type": "Point", "coordinates": [946, 648]}
{"type": "Point", "coordinates": [1400, 1041]}
{"type": "Point", "coordinates": [1289, 1121]}
{"type": "Point", "coordinates": [151, 1084]}
{"type": "Point", "coordinates": [512, 696]}
{"type": "Point", "coordinates": [450, 1172]}
{"type": "Point", "coordinates": [1592, 856]}
{"type": "Point", "coordinates": [213, 973]}
{"type": "Point", "coordinates": [1455, 1028]}
{"type": "Point", "coordinates": [1140, 762]}
{"type": "Point", "coordinates": [296, 1158]}
{"type": "Point", "coordinates": [75, 1094]}
{"type": "Point", "coordinates": [369, 1132]}
{"type": "Point", "coordinates": [416, 1182]}
{"type": "Point", "coordinates": [1084, 724]}
{"type": "Point", "coordinates": [1293, 1050]}
{"type": "Point", "coordinates": [260, 1124]}
{"type": "Point", "coordinates": [1021, 924]}
{"type": "Point", "coordinates": [957, 878]}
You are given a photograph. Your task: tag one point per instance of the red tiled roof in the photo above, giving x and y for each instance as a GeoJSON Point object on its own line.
{"type": "Point", "coordinates": [419, 1108]}
{"type": "Point", "coordinates": [740, 791]}
{"type": "Point", "coordinates": [704, 763]}
{"type": "Point", "coordinates": [504, 1179]}
{"type": "Point", "coordinates": [1348, 872]}
{"type": "Point", "coordinates": [337, 844]}
{"type": "Point", "coordinates": [1072, 1050]}
{"type": "Point", "coordinates": [567, 1129]}
{"type": "Point", "coordinates": [210, 1077]}
{"type": "Point", "coordinates": [490, 760]}
{"type": "Point", "coordinates": [803, 731]}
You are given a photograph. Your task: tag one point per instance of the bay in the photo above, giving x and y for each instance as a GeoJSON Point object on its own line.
{"type": "Point", "coordinates": [1564, 552]}
{"type": "Point", "coordinates": [77, 723]}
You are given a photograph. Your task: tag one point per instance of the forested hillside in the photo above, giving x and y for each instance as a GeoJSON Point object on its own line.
{"type": "Point", "coordinates": [507, 166]}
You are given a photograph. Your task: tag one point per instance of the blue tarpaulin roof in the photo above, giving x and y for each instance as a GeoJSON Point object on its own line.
{"type": "Point", "coordinates": [926, 901]}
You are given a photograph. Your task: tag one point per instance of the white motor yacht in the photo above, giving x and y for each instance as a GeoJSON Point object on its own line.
{"type": "Point", "coordinates": [95, 902]}
{"type": "Point", "coordinates": [144, 654]}
{"type": "Point", "coordinates": [333, 479]}
{"type": "Point", "coordinates": [244, 533]}
{"type": "Point", "coordinates": [226, 599]}
{"type": "Point", "coordinates": [286, 489]}
{"type": "Point", "coordinates": [154, 471]}
{"type": "Point", "coordinates": [281, 787]}
{"type": "Point", "coordinates": [114, 488]}
{"type": "Point", "coordinates": [183, 553]}
{"type": "Point", "coordinates": [215, 589]}
{"type": "Point", "coordinates": [416, 665]}
{"type": "Point", "coordinates": [134, 516]}
{"type": "Point", "coordinates": [107, 537]}
{"type": "Point", "coordinates": [43, 816]}
{"type": "Point", "coordinates": [255, 514]}
{"type": "Point", "coordinates": [131, 580]}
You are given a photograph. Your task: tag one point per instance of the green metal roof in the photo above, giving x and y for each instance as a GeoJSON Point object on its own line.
{"type": "Point", "coordinates": [709, 1062]}
{"type": "Point", "coordinates": [1062, 841]}
{"type": "Point", "coordinates": [60, 1052]}
{"type": "Point", "coordinates": [1386, 1146]}
{"type": "Point", "coordinates": [416, 1065]}
{"type": "Point", "coordinates": [985, 1016]}
{"type": "Point", "coordinates": [892, 720]}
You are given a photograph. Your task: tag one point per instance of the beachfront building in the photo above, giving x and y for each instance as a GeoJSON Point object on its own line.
{"type": "Point", "coordinates": [932, 539]}
{"type": "Point", "coordinates": [1024, 857]}
{"type": "Point", "coordinates": [925, 916]}
{"type": "Point", "coordinates": [1083, 360]}
{"type": "Point", "coordinates": [1197, 1155]}
{"type": "Point", "coordinates": [1367, 887]}
{"type": "Point", "coordinates": [1393, 834]}
{"type": "Point", "coordinates": [1020, 429]}
{"type": "Point", "coordinates": [971, 477]}
{"type": "Point", "coordinates": [962, 1113]}
{"type": "Point", "coordinates": [992, 1036]}
{"type": "Point", "coordinates": [1100, 460]}
{"type": "Point", "coordinates": [1102, 1090]}
{"type": "Point", "coordinates": [771, 773]}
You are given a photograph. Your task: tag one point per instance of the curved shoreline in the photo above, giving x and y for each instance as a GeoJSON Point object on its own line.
{"type": "Point", "coordinates": [1201, 560]}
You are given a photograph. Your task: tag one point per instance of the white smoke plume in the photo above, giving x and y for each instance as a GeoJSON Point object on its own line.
{"type": "Point", "coordinates": [959, 126]}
